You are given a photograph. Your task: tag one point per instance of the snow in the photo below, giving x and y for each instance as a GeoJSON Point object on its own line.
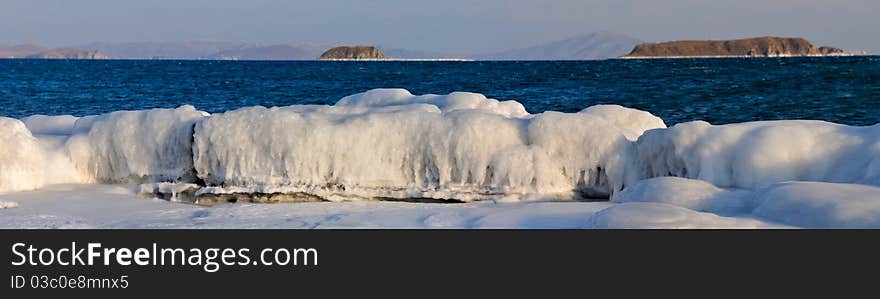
{"type": "Point", "coordinates": [783, 205]}
{"type": "Point", "coordinates": [118, 206]}
{"type": "Point", "coordinates": [686, 193]}
{"type": "Point", "coordinates": [821, 205]}
{"type": "Point", "coordinates": [512, 168]}
{"type": "Point", "coordinates": [660, 215]}
{"type": "Point", "coordinates": [797, 204]}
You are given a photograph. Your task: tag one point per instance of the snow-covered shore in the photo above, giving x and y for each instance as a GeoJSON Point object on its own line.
{"type": "Point", "coordinates": [390, 144]}
{"type": "Point", "coordinates": [117, 206]}
{"type": "Point", "coordinates": [654, 203]}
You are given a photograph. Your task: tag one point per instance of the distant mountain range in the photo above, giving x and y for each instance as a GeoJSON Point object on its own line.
{"type": "Point", "coordinates": [598, 45]}
{"type": "Point", "coordinates": [300, 51]}
{"type": "Point", "coordinates": [185, 49]}
{"type": "Point", "coordinates": [39, 52]}
{"type": "Point", "coordinates": [418, 54]}
{"type": "Point", "coordinates": [20, 51]}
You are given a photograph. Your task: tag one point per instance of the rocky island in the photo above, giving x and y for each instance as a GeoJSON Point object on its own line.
{"type": "Point", "coordinates": [750, 47]}
{"type": "Point", "coordinates": [353, 53]}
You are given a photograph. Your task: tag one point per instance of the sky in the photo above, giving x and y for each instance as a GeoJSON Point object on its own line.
{"type": "Point", "coordinates": [452, 26]}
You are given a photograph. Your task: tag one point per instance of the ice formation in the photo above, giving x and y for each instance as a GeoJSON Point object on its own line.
{"type": "Point", "coordinates": [50, 125]}
{"type": "Point", "coordinates": [119, 147]}
{"type": "Point", "coordinates": [633, 123]}
{"type": "Point", "coordinates": [756, 154]}
{"type": "Point", "coordinates": [388, 143]}
{"type": "Point", "coordinates": [148, 145]}
{"type": "Point", "coordinates": [21, 157]}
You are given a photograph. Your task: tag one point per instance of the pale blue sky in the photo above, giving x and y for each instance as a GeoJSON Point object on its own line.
{"type": "Point", "coordinates": [447, 25]}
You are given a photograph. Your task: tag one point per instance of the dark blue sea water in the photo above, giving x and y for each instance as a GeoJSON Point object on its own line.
{"type": "Point", "coordinates": [843, 90]}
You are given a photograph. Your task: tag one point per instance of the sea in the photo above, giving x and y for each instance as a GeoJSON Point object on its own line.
{"type": "Point", "coordinates": [842, 90]}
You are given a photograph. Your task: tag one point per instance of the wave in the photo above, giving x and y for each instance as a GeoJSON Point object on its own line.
{"type": "Point", "coordinates": [388, 143]}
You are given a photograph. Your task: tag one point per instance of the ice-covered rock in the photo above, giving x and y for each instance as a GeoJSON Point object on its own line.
{"type": "Point", "coordinates": [135, 146]}
{"type": "Point", "coordinates": [381, 143]}
{"type": "Point", "coordinates": [184, 192]}
{"type": "Point", "coordinates": [389, 143]}
{"type": "Point", "coordinates": [21, 157]}
{"type": "Point", "coordinates": [756, 154]}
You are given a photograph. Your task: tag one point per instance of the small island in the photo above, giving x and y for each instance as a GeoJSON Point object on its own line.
{"type": "Point", "coordinates": [353, 53]}
{"type": "Point", "coordinates": [749, 47]}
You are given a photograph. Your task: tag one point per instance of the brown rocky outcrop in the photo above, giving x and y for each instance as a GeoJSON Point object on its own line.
{"type": "Point", "coordinates": [750, 47]}
{"type": "Point", "coordinates": [830, 51]}
{"type": "Point", "coordinates": [353, 52]}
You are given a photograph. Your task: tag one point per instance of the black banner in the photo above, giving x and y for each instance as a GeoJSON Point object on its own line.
{"type": "Point", "coordinates": [340, 262]}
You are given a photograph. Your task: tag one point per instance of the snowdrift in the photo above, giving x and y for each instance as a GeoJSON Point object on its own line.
{"type": "Point", "coordinates": [650, 215]}
{"type": "Point", "coordinates": [687, 193]}
{"type": "Point", "coordinates": [388, 143]}
{"type": "Point", "coordinates": [820, 205]}
{"type": "Point", "coordinates": [675, 202]}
